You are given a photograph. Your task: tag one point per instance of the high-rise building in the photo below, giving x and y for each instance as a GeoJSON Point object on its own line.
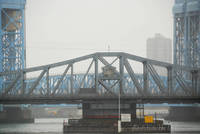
{"type": "Point", "coordinates": [160, 48]}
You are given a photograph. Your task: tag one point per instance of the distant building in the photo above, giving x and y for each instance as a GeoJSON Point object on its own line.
{"type": "Point", "coordinates": [160, 48]}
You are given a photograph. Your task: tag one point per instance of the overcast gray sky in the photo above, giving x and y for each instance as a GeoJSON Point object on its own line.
{"type": "Point", "coordinates": [58, 30]}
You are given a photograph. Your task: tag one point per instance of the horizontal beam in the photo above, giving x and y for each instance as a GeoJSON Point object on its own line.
{"type": "Point", "coordinates": [78, 100]}
{"type": "Point", "coordinates": [51, 65]}
{"type": "Point", "coordinates": [159, 63]}
{"type": "Point", "coordinates": [103, 54]}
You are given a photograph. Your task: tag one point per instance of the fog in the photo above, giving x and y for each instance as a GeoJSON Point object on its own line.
{"type": "Point", "coordinates": [58, 30]}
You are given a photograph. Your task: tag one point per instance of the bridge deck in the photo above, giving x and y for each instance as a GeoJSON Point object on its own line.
{"type": "Point", "coordinates": [78, 100]}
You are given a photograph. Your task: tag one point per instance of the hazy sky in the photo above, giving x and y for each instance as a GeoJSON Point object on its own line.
{"type": "Point", "coordinates": [58, 30]}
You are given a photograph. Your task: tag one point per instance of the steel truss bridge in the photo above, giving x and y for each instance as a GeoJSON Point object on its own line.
{"type": "Point", "coordinates": [107, 76]}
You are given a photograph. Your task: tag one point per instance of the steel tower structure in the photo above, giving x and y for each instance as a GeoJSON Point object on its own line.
{"type": "Point", "coordinates": [187, 32]}
{"type": "Point", "coordinates": [12, 44]}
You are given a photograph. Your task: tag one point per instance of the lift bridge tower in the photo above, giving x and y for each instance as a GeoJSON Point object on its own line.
{"type": "Point", "coordinates": [12, 38]}
{"type": "Point", "coordinates": [186, 49]}
{"type": "Point", "coordinates": [12, 47]}
{"type": "Point", "coordinates": [187, 32]}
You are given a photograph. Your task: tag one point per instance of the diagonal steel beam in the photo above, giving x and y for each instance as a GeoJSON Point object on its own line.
{"type": "Point", "coordinates": [12, 84]}
{"type": "Point", "coordinates": [107, 88]}
{"type": "Point", "coordinates": [145, 78]}
{"type": "Point", "coordinates": [182, 83]}
{"type": "Point", "coordinates": [41, 91]}
{"type": "Point", "coordinates": [103, 60]}
{"type": "Point", "coordinates": [86, 73]}
{"type": "Point", "coordinates": [115, 84]}
{"type": "Point", "coordinates": [156, 78]}
{"type": "Point", "coordinates": [36, 82]}
{"type": "Point", "coordinates": [12, 20]}
{"type": "Point", "coordinates": [133, 77]}
{"type": "Point", "coordinates": [114, 61]}
{"type": "Point", "coordinates": [60, 80]}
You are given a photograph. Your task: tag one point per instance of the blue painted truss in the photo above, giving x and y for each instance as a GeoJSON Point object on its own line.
{"type": "Point", "coordinates": [12, 47]}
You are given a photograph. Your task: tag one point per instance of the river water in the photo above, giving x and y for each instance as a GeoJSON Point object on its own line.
{"type": "Point", "coordinates": [54, 126]}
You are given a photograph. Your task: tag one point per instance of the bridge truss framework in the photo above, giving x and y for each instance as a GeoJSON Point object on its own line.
{"type": "Point", "coordinates": [118, 77]}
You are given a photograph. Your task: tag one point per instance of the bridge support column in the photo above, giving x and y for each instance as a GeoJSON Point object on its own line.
{"type": "Point", "coordinates": [15, 114]}
{"type": "Point", "coordinates": [184, 113]}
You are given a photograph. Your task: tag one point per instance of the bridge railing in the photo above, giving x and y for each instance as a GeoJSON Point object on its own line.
{"type": "Point", "coordinates": [108, 74]}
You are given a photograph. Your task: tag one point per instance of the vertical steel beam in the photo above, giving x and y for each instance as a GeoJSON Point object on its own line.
{"type": "Point", "coordinates": [194, 82]}
{"type": "Point", "coordinates": [170, 80]}
{"type": "Point", "coordinates": [189, 60]}
{"type": "Point", "coordinates": [1, 51]}
{"type": "Point", "coordinates": [198, 83]}
{"type": "Point", "coordinates": [24, 40]}
{"type": "Point", "coordinates": [121, 66]}
{"type": "Point", "coordinates": [199, 41]}
{"type": "Point", "coordinates": [72, 79]}
{"type": "Point", "coordinates": [23, 83]}
{"type": "Point", "coordinates": [185, 48]}
{"type": "Point", "coordinates": [47, 81]}
{"type": "Point", "coordinates": [96, 74]}
{"type": "Point", "coordinates": [174, 41]}
{"type": "Point", "coordinates": [145, 78]}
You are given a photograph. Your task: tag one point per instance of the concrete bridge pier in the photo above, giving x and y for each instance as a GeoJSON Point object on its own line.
{"type": "Point", "coordinates": [108, 109]}
{"type": "Point", "coordinates": [15, 114]}
{"type": "Point", "coordinates": [184, 113]}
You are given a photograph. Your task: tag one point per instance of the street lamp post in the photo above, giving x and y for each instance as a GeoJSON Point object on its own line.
{"type": "Point", "coordinates": [119, 114]}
